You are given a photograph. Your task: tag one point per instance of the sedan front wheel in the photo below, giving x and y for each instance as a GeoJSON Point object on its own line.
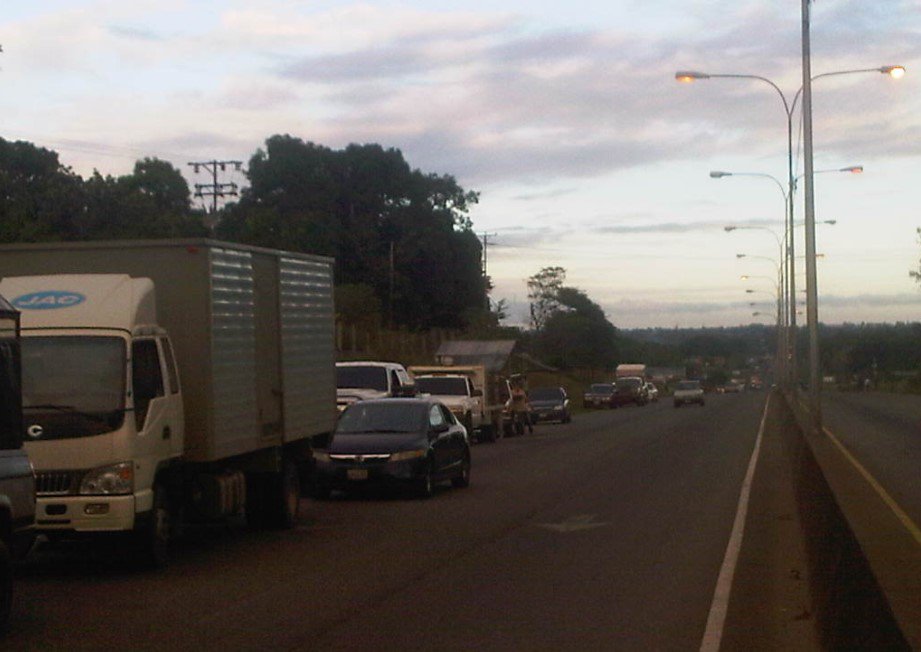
{"type": "Point", "coordinates": [462, 480]}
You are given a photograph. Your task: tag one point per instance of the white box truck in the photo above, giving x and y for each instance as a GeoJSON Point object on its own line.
{"type": "Point", "coordinates": [170, 381]}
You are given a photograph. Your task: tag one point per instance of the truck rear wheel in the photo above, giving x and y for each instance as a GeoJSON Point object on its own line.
{"type": "Point", "coordinates": [273, 499]}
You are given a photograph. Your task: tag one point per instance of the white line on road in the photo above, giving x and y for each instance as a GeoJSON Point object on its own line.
{"type": "Point", "coordinates": [716, 620]}
{"type": "Point", "coordinates": [574, 524]}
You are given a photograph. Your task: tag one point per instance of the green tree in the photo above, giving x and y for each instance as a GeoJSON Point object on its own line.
{"type": "Point", "coordinates": [404, 233]}
{"type": "Point", "coordinates": [151, 202]}
{"type": "Point", "coordinates": [41, 197]}
{"type": "Point", "coordinates": [543, 290]}
{"type": "Point", "coordinates": [577, 333]}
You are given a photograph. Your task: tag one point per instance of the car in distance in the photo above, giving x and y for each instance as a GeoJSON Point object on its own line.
{"type": "Point", "coordinates": [549, 404]}
{"type": "Point", "coordinates": [734, 387]}
{"type": "Point", "coordinates": [410, 442]}
{"type": "Point", "coordinates": [688, 391]}
{"type": "Point", "coordinates": [631, 389]}
{"type": "Point", "coordinates": [599, 395]}
{"type": "Point", "coordinates": [652, 392]}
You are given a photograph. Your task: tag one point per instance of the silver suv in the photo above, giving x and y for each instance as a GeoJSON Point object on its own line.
{"type": "Point", "coordinates": [17, 480]}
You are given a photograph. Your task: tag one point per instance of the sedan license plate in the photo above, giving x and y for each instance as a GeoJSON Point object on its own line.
{"type": "Point", "coordinates": [357, 474]}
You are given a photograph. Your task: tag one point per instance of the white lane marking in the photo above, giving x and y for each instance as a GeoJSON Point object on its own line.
{"type": "Point", "coordinates": [716, 620]}
{"type": "Point", "coordinates": [574, 524]}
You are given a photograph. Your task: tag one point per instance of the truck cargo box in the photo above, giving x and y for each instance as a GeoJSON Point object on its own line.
{"type": "Point", "coordinates": [253, 331]}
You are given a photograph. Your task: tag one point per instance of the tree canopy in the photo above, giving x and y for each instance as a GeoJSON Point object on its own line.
{"type": "Point", "coordinates": [399, 236]}
{"type": "Point", "coordinates": [44, 200]}
{"type": "Point", "coordinates": [404, 233]}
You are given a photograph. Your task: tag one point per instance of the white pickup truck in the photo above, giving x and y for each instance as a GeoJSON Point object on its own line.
{"type": "Point", "coordinates": [469, 392]}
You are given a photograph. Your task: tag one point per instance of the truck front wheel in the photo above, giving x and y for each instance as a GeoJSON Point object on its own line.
{"type": "Point", "coordinates": [153, 535]}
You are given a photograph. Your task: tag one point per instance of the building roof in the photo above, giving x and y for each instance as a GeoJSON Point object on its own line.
{"type": "Point", "coordinates": [492, 354]}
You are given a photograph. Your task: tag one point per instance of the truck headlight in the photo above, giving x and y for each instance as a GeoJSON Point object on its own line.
{"type": "Point", "coordinates": [117, 479]}
{"type": "Point", "coordinates": [402, 456]}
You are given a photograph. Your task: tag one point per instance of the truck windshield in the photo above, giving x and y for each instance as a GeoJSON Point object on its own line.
{"type": "Point", "coordinates": [361, 377]}
{"type": "Point", "coordinates": [442, 386]}
{"type": "Point", "coordinates": [72, 386]}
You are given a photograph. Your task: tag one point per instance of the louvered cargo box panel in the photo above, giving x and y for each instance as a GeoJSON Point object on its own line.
{"type": "Point", "coordinates": [307, 347]}
{"type": "Point", "coordinates": [233, 353]}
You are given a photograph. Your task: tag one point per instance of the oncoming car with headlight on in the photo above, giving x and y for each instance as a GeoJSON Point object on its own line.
{"type": "Point", "coordinates": [409, 442]}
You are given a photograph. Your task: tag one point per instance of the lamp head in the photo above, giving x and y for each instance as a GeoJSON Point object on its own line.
{"type": "Point", "coordinates": [729, 229]}
{"type": "Point", "coordinates": [719, 174]}
{"type": "Point", "coordinates": [687, 76]}
{"type": "Point", "coordinates": [853, 169]}
{"type": "Point", "coordinates": [896, 72]}
{"type": "Point", "coordinates": [741, 255]}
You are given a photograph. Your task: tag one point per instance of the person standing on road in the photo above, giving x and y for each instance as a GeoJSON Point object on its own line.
{"type": "Point", "coordinates": [521, 407]}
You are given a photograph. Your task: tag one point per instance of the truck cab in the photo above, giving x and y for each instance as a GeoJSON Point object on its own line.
{"type": "Point", "coordinates": [17, 481]}
{"type": "Point", "coordinates": [458, 394]}
{"type": "Point", "coordinates": [102, 403]}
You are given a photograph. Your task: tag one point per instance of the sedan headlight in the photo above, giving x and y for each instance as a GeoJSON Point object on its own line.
{"type": "Point", "coordinates": [402, 456]}
{"type": "Point", "coordinates": [117, 479]}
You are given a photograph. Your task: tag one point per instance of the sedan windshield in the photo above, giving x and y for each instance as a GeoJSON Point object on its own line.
{"type": "Point", "coordinates": [392, 417]}
{"type": "Point", "coordinates": [361, 377]}
{"type": "Point", "coordinates": [546, 394]}
{"type": "Point", "coordinates": [442, 386]}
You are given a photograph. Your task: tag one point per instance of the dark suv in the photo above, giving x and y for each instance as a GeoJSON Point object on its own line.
{"type": "Point", "coordinates": [631, 389]}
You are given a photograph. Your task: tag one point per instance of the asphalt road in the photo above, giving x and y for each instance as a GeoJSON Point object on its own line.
{"type": "Point", "coordinates": [883, 431]}
{"type": "Point", "coordinates": [603, 534]}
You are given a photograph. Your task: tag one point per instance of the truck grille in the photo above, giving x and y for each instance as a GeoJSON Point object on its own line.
{"type": "Point", "coordinates": [57, 483]}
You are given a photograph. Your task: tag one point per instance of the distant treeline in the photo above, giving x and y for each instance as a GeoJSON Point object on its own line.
{"type": "Point", "coordinates": [858, 349]}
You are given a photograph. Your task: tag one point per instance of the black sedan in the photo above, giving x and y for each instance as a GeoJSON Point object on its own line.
{"type": "Point", "coordinates": [409, 442]}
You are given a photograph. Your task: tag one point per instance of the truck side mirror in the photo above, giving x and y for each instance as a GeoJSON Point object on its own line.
{"type": "Point", "coordinates": [477, 392]}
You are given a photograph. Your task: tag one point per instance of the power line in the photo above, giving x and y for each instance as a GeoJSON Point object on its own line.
{"type": "Point", "coordinates": [215, 189]}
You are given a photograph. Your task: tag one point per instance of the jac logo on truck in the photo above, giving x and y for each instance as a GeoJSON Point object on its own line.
{"type": "Point", "coordinates": [48, 300]}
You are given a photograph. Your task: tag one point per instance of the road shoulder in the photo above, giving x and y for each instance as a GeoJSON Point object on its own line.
{"type": "Point", "coordinates": [770, 606]}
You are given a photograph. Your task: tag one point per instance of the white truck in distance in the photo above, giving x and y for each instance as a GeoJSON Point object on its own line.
{"type": "Point", "coordinates": [169, 379]}
{"type": "Point", "coordinates": [469, 392]}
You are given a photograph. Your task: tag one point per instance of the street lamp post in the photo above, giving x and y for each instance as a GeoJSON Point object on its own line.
{"type": "Point", "coordinates": [894, 71]}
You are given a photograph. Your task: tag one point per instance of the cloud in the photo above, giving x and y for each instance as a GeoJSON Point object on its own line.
{"type": "Point", "coordinates": [544, 195]}
{"type": "Point", "coordinates": [135, 33]}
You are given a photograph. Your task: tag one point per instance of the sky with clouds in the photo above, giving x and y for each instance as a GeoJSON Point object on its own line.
{"type": "Point", "coordinates": [566, 117]}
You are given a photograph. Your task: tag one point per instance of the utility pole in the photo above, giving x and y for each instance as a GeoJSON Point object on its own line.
{"type": "Point", "coordinates": [812, 308]}
{"type": "Point", "coordinates": [485, 272]}
{"type": "Point", "coordinates": [215, 189]}
{"type": "Point", "coordinates": [390, 297]}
